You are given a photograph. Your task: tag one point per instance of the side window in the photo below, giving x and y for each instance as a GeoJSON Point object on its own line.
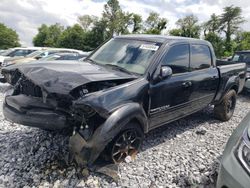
{"type": "Point", "coordinates": [177, 58]}
{"type": "Point", "coordinates": [200, 57]}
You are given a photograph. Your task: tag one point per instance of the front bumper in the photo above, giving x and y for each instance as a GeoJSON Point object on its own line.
{"type": "Point", "coordinates": [232, 174]}
{"type": "Point", "coordinates": [32, 112]}
{"type": "Point", "coordinates": [84, 145]}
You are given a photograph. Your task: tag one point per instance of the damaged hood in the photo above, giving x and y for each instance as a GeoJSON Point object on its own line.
{"type": "Point", "coordinates": [62, 77]}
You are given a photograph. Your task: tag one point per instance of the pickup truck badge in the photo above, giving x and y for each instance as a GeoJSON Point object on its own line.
{"type": "Point", "coordinates": [160, 109]}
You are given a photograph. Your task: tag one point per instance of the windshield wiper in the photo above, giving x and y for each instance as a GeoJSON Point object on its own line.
{"type": "Point", "coordinates": [118, 68]}
{"type": "Point", "coordinates": [110, 65]}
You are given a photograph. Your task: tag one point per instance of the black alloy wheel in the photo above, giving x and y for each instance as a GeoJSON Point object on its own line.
{"type": "Point", "coordinates": [126, 144]}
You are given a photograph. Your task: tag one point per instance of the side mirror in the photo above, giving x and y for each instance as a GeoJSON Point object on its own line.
{"type": "Point", "coordinates": [165, 72]}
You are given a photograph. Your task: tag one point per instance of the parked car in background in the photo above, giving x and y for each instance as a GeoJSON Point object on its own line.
{"type": "Point", "coordinates": [17, 52]}
{"type": "Point", "coordinates": [39, 54]}
{"type": "Point", "coordinates": [64, 56]}
{"type": "Point", "coordinates": [127, 87]}
{"type": "Point", "coordinates": [244, 57]}
{"type": "Point", "coordinates": [235, 163]}
{"type": "Point", "coordinates": [2, 51]}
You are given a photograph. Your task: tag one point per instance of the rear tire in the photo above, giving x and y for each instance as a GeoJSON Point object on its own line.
{"type": "Point", "coordinates": [224, 111]}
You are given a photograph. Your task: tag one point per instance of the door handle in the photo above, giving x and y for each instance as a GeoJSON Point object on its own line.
{"type": "Point", "coordinates": [187, 84]}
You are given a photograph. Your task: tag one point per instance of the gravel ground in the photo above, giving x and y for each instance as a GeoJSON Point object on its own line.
{"type": "Point", "coordinates": [182, 154]}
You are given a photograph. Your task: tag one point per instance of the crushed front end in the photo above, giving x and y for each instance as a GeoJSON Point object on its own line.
{"type": "Point", "coordinates": [30, 104]}
{"type": "Point", "coordinates": [26, 103]}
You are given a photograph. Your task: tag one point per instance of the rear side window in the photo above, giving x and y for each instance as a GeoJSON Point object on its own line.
{"type": "Point", "coordinates": [200, 57]}
{"type": "Point", "coordinates": [177, 58]}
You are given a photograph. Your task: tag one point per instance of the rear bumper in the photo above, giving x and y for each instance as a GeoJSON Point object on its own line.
{"type": "Point", "coordinates": [34, 117]}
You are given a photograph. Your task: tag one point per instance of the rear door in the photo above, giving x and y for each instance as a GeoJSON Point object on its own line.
{"type": "Point", "coordinates": [169, 97]}
{"type": "Point", "coordinates": [205, 77]}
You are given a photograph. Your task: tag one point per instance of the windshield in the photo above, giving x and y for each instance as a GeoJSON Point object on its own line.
{"type": "Point", "coordinates": [132, 55]}
{"type": "Point", "coordinates": [242, 57]}
{"type": "Point", "coordinates": [6, 53]}
{"type": "Point", "coordinates": [34, 54]}
{"type": "Point", "coordinates": [50, 57]}
{"type": "Point", "coordinates": [18, 52]}
{"type": "Point", "coordinates": [2, 52]}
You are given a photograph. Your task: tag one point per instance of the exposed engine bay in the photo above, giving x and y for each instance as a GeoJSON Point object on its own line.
{"type": "Point", "coordinates": [23, 88]}
{"type": "Point", "coordinates": [37, 100]}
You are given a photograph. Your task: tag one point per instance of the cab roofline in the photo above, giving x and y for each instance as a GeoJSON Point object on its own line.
{"type": "Point", "coordinates": [162, 38]}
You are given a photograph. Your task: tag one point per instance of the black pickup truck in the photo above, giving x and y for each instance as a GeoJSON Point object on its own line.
{"type": "Point", "coordinates": [243, 57]}
{"type": "Point", "coordinates": [125, 88]}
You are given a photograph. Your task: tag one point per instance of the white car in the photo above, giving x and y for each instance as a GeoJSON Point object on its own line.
{"type": "Point", "coordinates": [17, 52]}
{"type": "Point", "coordinates": [40, 54]}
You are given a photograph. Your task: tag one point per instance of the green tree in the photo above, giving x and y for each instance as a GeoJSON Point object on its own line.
{"type": "Point", "coordinates": [212, 34]}
{"type": "Point", "coordinates": [73, 37]}
{"type": "Point", "coordinates": [8, 37]}
{"type": "Point", "coordinates": [112, 15]}
{"type": "Point", "coordinates": [154, 24]}
{"type": "Point", "coordinates": [48, 35]}
{"type": "Point", "coordinates": [136, 23]}
{"type": "Point", "coordinates": [87, 21]}
{"type": "Point", "coordinates": [189, 26]}
{"type": "Point", "coordinates": [217, 43]}
{"type": "Point", "coordinates": [243, 41]}
{"type": "Point", "coordinates": [176, 32]}
{"type": "Point", "coordinates": [212, 25]}
{"type": "Point", "coordinates": [126, 20]}
{"type": "Point", "coordinates": [97, 35]}
{"type": "Point", "coordinates": [230, 21]}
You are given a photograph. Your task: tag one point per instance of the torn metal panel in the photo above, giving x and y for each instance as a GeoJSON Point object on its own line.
{"type": "Point", "coordinates": [110, 170]}
{"type": "Point", "coordinates": [86, 149]}
{"type": "Point", "coordinates": [77, 147]}
{"type": "Point", "coordinates": [64, 77]}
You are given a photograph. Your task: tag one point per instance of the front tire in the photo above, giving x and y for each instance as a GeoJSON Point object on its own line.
{"type": "Point", "coordinates": [224, 111]}
{"type": "Point", "coordinates": [126, 143]}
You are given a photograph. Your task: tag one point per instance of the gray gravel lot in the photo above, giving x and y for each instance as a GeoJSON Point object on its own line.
{"type": "Point", "coordinates": [182, 154]}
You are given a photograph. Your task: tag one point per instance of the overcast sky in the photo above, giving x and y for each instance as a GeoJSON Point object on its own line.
{"type": "Point", "coordinates": [25, 16]}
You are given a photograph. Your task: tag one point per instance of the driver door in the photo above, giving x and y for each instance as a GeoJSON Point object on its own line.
{"type": "Point", "coordinates": [170, 96]}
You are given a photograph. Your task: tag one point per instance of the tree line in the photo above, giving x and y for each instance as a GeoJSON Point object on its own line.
{"type": "Point", "coordinates": [8, 37]}
{"type": "Point", "coordinates": [223, 31]}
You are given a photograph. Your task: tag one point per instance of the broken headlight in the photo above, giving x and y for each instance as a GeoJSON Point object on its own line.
{"type": "Point", "coordinates": [7, 63]}
{"type": "Point", "coordinates": [83, 111]}
{"type": "Point", "coordinates": [242, 152]}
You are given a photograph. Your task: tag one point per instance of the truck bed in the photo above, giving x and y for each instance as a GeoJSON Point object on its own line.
{"type": "Point", "coordinates": [230, 73]}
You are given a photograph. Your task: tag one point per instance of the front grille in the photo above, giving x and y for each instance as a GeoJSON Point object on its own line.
{"type": "Point", "coordinates": [28, 88]}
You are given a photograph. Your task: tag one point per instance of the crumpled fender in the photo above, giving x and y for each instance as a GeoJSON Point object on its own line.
{"type": "Point", "coordinates": [111, 127]}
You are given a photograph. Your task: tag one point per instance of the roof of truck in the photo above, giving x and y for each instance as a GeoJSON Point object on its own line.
{"type": "Point", "coordinates": [160, 38]}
